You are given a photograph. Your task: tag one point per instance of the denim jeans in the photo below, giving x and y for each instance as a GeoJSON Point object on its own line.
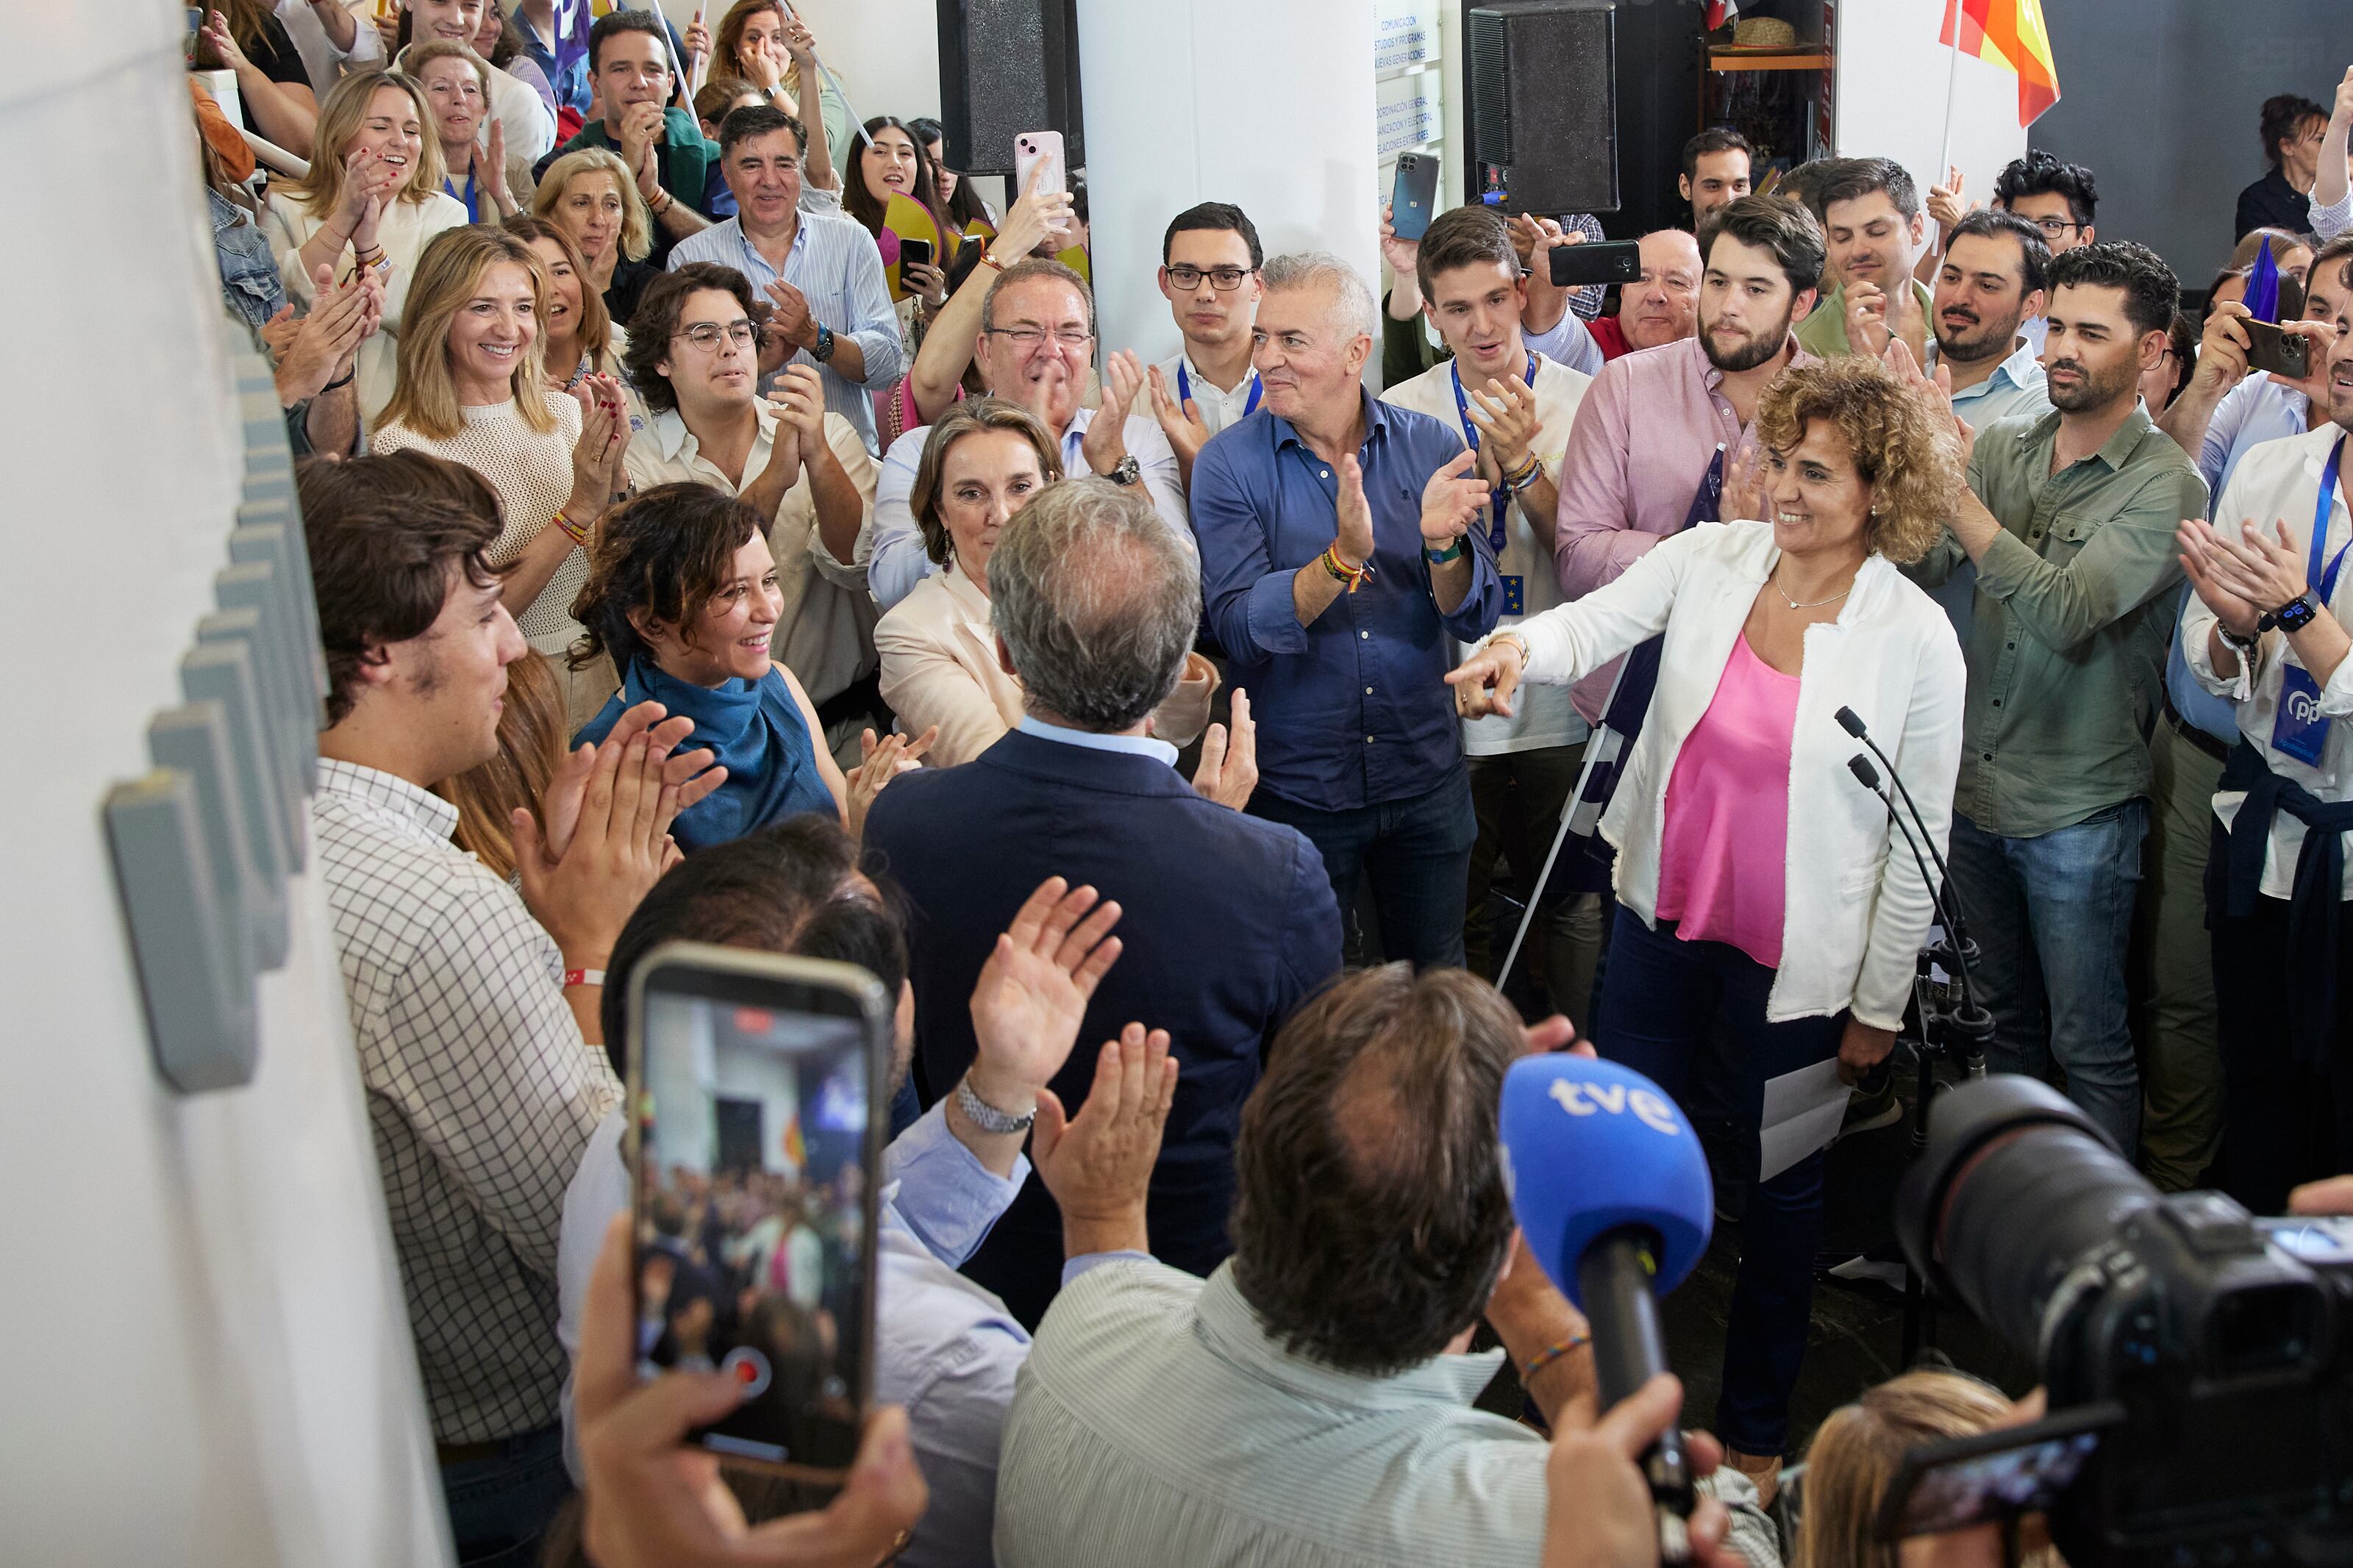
{"type": "Point", "coordinates": [2053, 916]}
{"type": "Point", "coordinates": [1661, 997]}
{"type": "Point", "coordinates": [499, 1505]}
{"type": "Point", "coordinates": [1417, 853]}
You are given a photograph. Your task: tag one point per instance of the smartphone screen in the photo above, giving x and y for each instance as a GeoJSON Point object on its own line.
{"type": "Point", "coordinates": [1993, 1476]}
{"type": "Point", "coordinates": [918, 251]}
{"type": "Point", "coordinates": [758, 1085]}
{"type": "Point", "coordinates": [1413, 196]}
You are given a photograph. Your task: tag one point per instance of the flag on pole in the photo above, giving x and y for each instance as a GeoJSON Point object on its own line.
{"type": "Point", "coordinates": [1721, 11]}
{"type": "Point", "coordinates": [2009, 33]}
{"type": "Point", "coordinates": [572, 24]}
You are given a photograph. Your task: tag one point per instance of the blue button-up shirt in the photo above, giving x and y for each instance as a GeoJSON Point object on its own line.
{"type": "Point", "coordinates": [1352, 710]}
{"type": "Point", "coordinates": [834, 264]}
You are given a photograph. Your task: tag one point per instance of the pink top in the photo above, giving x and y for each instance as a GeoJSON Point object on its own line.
{"type": "Point", "coordinates": [1724, 851]}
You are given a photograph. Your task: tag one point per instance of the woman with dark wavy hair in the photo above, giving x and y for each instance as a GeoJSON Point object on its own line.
{"type": "Point", "coordinates": [1756, 883]}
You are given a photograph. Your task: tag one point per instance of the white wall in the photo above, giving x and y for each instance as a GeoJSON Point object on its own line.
{"type": "Point", "coordinates": [202, 1354]}
{"type": "Point", "coordinates": [1182, 107]}
{"type": "Point", "coordinates": [1891, 76]}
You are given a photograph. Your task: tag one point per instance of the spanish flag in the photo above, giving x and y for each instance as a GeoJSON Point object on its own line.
{"type": "Point", "coordinates": [2009, 33]}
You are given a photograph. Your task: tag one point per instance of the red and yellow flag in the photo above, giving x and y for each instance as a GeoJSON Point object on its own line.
{"type": "Point", "coordinates": [2009, 33]}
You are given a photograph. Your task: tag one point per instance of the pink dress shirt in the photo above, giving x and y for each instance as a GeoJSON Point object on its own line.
{"type": "Point", "coordinates": [1620, 496]}
{"type": "Point", "coordinates": [1724, 848]}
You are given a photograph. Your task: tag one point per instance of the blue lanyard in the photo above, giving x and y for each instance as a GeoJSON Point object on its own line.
{"type": "Point", "coordinates": [2326, 582]}
{"type": "Point", "coordinates": [1500, 498]}
{"type": "Point", "coordinates": [1185, 389]}
{"type": "Point", "coordinates": [473, 214]}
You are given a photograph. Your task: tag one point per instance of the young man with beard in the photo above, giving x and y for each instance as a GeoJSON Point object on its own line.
{"type": "Point", "coordinates": [1663, 305]}
{"type": "Point", "coordinates": [1715, 172]}
{"type": "Point", "coordinates": [1642, 449]}
{"type": "Point", "coordinates": [1037, 339]}
{"type": "Point", "coordinates": [2069, 519]}
{"type": "Point", "coordinates": [820, 269]}
{"type": "Point", "coordinates": [1208, 274]}
{"type": "Point", "coordinates": [1873, 221]}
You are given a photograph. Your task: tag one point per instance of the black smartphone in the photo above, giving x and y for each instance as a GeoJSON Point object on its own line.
{"type": "Point", "coordinates": [1607, 261]}
{"type": "Point", "coordinates": [755, 1147]}
{"type": "Point", "coordinates": [2287, 353]}
{"type": "Point", "coordinates": [1413, 199]}
{"type": "Point", "coordinates": [1992, 1476]}
{"type": "Point", "coordinates": [918, 251]}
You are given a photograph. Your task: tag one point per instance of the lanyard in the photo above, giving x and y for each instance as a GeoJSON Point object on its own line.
{"type": "Point", "coordinates": [1500, 498]}
{"type": "Point", "coordinates": [473, 215]}
{"type": "Point", "coordinates": [1185, 389]}
{"type": "Point", "coordinates": [2324, 581]}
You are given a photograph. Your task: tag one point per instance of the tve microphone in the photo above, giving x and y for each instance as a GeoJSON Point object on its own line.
{"type": "Point", "coordinates": [1610, 1186]}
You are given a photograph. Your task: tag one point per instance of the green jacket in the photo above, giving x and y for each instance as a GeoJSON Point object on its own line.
{"type": "Point", "coordinates": [687, 159]}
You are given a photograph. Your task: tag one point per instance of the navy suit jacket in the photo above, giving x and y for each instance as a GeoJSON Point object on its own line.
{"type": "Point", "coordinates": [1227, 922]}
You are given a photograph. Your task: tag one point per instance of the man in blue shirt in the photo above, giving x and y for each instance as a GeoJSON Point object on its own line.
{"type": "Point", "coordinates": [1339, 566]}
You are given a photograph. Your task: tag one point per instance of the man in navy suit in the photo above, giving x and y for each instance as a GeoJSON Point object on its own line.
{"type": "Point", "coordinates": [1227, 922]}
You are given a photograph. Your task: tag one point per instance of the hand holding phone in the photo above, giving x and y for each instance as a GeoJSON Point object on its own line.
{"type": "Point", "coordinates": [2281, 353]}
{"type": "Point", "coordinates": [1413, 198]}
{"type": "Point", "coordinates": [1040, 150]}
{"type": "Point", "coordinates": [1609, 261]}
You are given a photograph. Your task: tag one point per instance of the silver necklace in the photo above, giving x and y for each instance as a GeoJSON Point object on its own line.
{"type": "Point", "coordinates": [1776, 580]}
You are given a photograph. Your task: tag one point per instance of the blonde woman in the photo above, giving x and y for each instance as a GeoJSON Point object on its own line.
{"type": "Point", "coordinates": [473, 388]}
{"type": "Point", "coordinates": [590, 195]}
{"type": "Point", "coordinates": [456, 83]}
{"type": "Point", "coordinates": [982, 462]}
{"type": "Point", "coordinates": [372, 200]}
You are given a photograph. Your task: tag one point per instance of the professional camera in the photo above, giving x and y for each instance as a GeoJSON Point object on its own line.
{"type": "Point", "coordinates": [2194, 1357]}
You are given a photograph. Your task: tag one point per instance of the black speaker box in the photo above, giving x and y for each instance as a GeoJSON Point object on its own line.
{"type": "Point", "coordinates": [1008, 67]}
{"type": "Point", "coordinates": [1540, 112]}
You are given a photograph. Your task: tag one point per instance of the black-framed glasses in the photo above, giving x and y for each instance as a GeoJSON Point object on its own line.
{"type": "Point", "coordinates": [706, 336]}
{"type": "Point", "coordinates": [1027, 338]}
{"type": "Point", "coordinates": [1224, 279]}
{"type": "Point", "coordinates": [2053, 226]}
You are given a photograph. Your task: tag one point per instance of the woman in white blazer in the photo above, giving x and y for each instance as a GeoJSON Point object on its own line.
{"type": "Point", "coordinates": [982, 462]}
{"type": "Point", "coordinates": [1756, 880]}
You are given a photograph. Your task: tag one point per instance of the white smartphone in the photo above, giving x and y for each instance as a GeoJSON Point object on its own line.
{"type": "Point", "coordinates": [1032, 148]}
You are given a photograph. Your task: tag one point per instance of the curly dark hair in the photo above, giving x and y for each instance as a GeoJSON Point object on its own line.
{"type": "Point", "coordinates": [2152, 293]}
{"type": "Point", "coordinates": [656, 321]}
{"type": "Point", "coordinates": [1370, 1219]}
{"type": "Point", "coordinates": [2040, 175]}
{"type": "Point", "coordinates": [665, 550]}
{"type": "Point", "coordinates": [1913, 468]}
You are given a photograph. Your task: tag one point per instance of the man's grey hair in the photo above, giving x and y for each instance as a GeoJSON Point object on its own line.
{"type": "Point", "coordinates": [1354, 308]}
{"type": "Point", "coordinates": [1024, 271]}
{"type": "Point", "coordinates": [1097, 600]}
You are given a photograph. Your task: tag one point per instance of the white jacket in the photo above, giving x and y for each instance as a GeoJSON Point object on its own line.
{"type": "Point", "coordinates": [1856, 914]}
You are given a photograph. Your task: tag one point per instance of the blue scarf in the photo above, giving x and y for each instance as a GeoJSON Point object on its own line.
{"type": "Point", "coordinates": [760, 738]}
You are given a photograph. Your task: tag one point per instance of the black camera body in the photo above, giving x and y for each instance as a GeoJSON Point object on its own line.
{"type": "Point", "coordinates": [2222, 1340]}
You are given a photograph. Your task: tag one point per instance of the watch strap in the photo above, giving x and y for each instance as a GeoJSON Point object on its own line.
{"type": "Point", "coordinates": [986, 1117]}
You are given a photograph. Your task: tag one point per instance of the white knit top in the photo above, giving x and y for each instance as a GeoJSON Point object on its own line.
{"type": "Point", "coordinates": [533, 474]}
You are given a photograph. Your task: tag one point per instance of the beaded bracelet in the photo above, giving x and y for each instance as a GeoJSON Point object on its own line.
{"type": "Point", "coordinates": [1551, 1354]}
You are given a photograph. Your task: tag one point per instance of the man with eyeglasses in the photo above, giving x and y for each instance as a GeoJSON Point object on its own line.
{"type": "Point", "coordinates": [1036, 341]}
{"type": "Point", "coordinates": [2058, 198]}
{"type": "Point", "coordinates": [677, 167]}
{"type": "Point", "coordinates": [819, 268]}
{"type": "Point", "coordinates": [1209, 259]}
{"type": "Point", "coordinates": [694, 357]}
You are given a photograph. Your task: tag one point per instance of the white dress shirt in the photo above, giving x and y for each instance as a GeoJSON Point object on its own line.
{"type": "Point", "coordinates": [1218, 409]}
{"type": "Point", "coordinates": [481, 1092]}
{"type": "Point", "coordinates": [896, 559]}
{"type": "Point", "coordinates": [1854, 914]}
{"type": "Point", "coordinates": [1531, 582]}
{"type": "Point", "coordinates": [2281, 479]}
{"type": "Point", "coordinates": [826, 634]}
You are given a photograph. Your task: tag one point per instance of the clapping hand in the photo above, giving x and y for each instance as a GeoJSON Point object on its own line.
{"type": "Point", "coordinates": [791, 320]}
{"type": "Point", "coordinates": [1227, 771]}
{"type": "Point", "coordinates": [1033, 992]}
{"type": "Point", "coordinates": [620, 846]}
{"type": "Point", "coordinates": [1104, 446]}
{"type": "Point", "coordinates": [2251, 569]}
{"type": "Point", "coordinates": [1183, 425]}
{"type": "Point", "coordinates": [1098, 1164]}
{"type": "Point", "coordinates": [314, 349]}
{"type": "Point", "coordinates": [1352, 517]}
{"type": "Point", "coordinates": [215, 35]}
{"type": "Point", "coordinates": [491, 165]}
{"type": "Point", "coordinates": [1505, 412]}
{"type": "Point", "coordinates": [1450, 501]}
{"type": "Point", "coordinates": [689, 773]}
{"type": "Point", "coordinates": [1937, 390]}
{"type": "Point", "coordinates": [1867, 330]}
{"type": "Point", "coordinates": [880, 762]}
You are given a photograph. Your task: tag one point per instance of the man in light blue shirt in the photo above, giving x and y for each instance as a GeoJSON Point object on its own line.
{"type": "Point", "coordinates": [819, 268]}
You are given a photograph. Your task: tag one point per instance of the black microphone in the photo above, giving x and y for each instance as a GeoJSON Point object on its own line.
{"type": "Point", "coordinates": [1851, 723]}
{"type": "Point", "coordinates": [1868, 776]}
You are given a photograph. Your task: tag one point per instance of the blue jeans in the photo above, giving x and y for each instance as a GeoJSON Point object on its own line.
{"type": "Point", "coordinates": [499, 1505]}
{"type": "Point", "coordinates": [1418, 853]}
{"type": "Point", "coordinates": [2052, 916]}
{"type": "Point", "coordinates": [1661, 997]}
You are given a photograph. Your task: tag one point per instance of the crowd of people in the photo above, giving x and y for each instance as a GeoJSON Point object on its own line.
{"type": "Point", "coordinates": [696, 560]}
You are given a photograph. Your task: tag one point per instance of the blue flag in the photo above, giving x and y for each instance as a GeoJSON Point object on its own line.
{"type": "Point", "coordinates": [2262, 285]}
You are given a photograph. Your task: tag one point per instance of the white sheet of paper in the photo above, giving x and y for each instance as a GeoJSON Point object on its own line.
{"type": "Point", "coordinates": [1802, 1113]}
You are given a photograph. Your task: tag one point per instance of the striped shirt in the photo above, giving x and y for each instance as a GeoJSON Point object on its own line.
{"type": "Point", "coordinates": [834, 264]}
{"type": "Point", "coordinates": [1155, 1423]}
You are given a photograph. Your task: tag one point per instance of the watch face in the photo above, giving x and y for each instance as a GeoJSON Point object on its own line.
{"type": "Point", "coordinates": [2295, 615]}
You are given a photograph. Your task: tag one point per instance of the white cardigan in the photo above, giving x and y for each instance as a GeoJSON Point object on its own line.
{"type": "Point", "coordinates": [1855, 914]}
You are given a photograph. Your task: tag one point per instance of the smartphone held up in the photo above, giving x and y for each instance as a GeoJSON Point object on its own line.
{"type": "Point", "coordinates": [757, 1091]}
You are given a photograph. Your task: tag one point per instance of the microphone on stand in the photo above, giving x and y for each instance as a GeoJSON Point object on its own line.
{"type": "Point", "coordinates": [1970, 1021]}
{"type": "Point", "coordinates": [1851, 723]}
{"type": "Point", "coordinates": [1611, 1188]}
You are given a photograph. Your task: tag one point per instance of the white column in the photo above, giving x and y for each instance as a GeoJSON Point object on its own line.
{"type": "Point", "coordinates": [1182, 107]}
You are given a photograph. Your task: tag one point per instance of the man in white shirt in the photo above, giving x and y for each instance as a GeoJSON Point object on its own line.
{"type": "Point", "coordinates": [529, 129]}
{"type": "Point", "coordinates": [1514, 409]}
{"type": "Point", "coordinates": [1309, 1404]}
{"type": "Point", "coordinates": [481, 1091]}
{"type": "Point", "coordinates": [1210, 258]}
{"type": "Point", "coordinates": [1037, 341]}
{"type": "Point", "coordinates": [331, 39]}
{"type": "Point", "coordinates": [794, 462]}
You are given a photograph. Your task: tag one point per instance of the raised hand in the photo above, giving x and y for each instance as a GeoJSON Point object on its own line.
{"type": "Point", "coordinates": [1098, 1164]}
{"type": "Point", "coordinates": [215, 35]}
{"type": "Point", "coordinates": [490, 166]}
{"type": "Point", "coordinates": [1403, 254]}
{"type": "Point", "coordinates": [618, 847]}
{"type": "Point", "coordinates": [1033, 992]}
{"type": "Point", "coordinates": [881, 761]}
{"type": "Point", "coordinates": [1184, 426]}
{"type": "Point", "coordinates": [1946, 202]}
{"type": "Point", "coordinates": [791, 317]}
{"type": "Point", "coordinates": [1450, 501]}
{"type": "Point", "coordinates": [1867, 329]}
{"type": "Point", "coordinates": [1745, 489]}
{"type": "Point", "coordinates": [1504, 413]}
{"type": "Point", "coordinates": [1033, 219]}
{"type": "Point", "coordinates": [1105, 443]}
{"type": "Point", "coordinates": [1483, 683]}
{"type": "Point", "coordinates": [1227, 771]}
{"type": "Point", "coordinates": [1353, 515]}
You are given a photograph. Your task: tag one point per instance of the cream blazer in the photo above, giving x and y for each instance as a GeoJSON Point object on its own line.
{"type": "Point", "coordinates": [939, 667]}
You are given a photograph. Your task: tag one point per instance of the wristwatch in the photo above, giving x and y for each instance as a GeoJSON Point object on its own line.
{"type": "Point", "coordinates": [822, 351]}
{"type": "Point", "coordinates": [2291, 617]}
{"type": "Point", "coordinates": [986, 1117]}
{"type": "Point", "coordinates": [1127, 473]}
